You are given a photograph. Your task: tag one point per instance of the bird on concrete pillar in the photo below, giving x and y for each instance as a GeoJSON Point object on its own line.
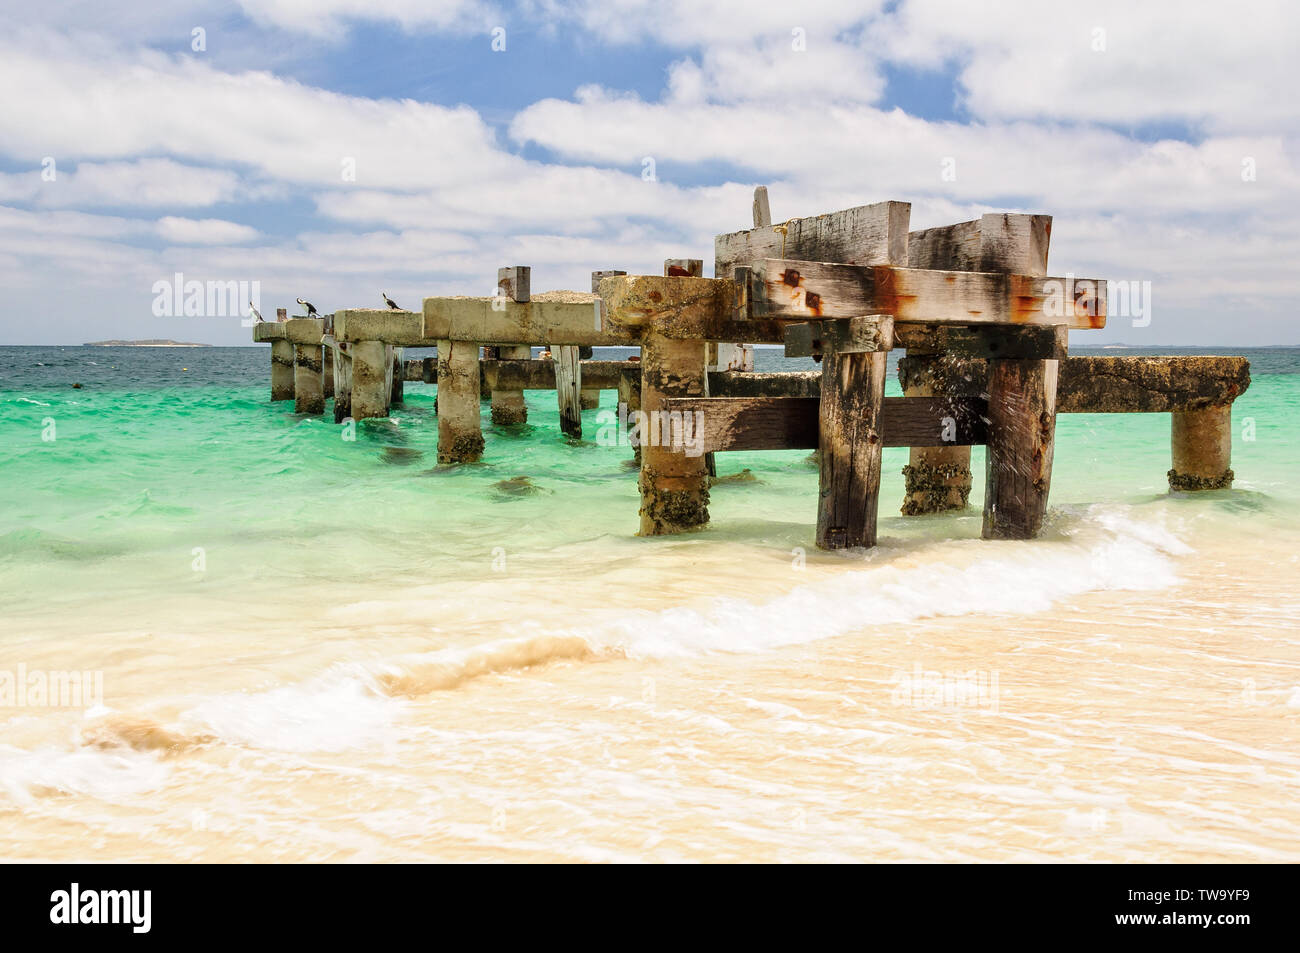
{"type": "Point", "coordinates": [311, 308]}
{"type": "Point", "coordinates": [389, 301]}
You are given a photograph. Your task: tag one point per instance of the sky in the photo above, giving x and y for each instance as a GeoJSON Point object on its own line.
{"type": "Point", "coordinates": [334, 149]}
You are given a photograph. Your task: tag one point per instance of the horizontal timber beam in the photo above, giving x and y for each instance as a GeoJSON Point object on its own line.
{"type": "Point", "coordinates": [791, 423]}
{"type": "Point", "coordinates": [540, 375]}
{"type": "Point", "coordinates": [790, 289]}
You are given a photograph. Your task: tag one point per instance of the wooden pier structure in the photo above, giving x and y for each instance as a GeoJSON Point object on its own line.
{"type": "Point", "coordinates": [983, 325]}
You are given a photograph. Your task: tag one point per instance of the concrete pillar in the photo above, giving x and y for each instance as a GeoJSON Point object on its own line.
{"type": "Point", "coordinates": [589, 398]}
{"type": "Point", "coordinates": [508, 405]}
{"type": "Point", "coordinates": [460, 433]}
{"type": "Point", "coordinates": [308, 384]}
{"type": "Point", "coordinates": [1202, 449]}
{"type": "Point", "coordinates": [674, 486]}
{"type": "Point", "coordinates": [370, 387]}
{"type": "Point", "coordinates": [936, 479]}
{"type": "Point", "coordinates": [281, 370]}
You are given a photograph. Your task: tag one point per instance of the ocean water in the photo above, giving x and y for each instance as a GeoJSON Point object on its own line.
{"type": "Point", "coordinates": [292, 646]}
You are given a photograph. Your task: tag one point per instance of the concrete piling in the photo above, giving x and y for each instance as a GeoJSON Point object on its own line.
{"type": "Point", "coordinates": [1202, 449]}
{"type": "Point", "coordinates": [460, 434]}
{"type": "Point", "coordinates": [308, 382]}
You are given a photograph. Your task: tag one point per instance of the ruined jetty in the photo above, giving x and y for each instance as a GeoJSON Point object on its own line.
{"type": "Point", "coordinates": [983, 326]}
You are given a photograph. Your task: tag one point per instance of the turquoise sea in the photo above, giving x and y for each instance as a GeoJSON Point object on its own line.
{"type": "Point", "coordinates": [290, 608]}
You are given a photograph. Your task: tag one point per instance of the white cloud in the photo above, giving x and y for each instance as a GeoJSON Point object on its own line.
{"type": "Point", "coordinates": [144, 182]}
{"type": "Point", "coordinates": [205, 231]}
{"type": "Point", "coordinates": [329, 18]}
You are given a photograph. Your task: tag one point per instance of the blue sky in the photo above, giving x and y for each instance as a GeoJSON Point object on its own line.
{"type": "Point", "coordinates": [1157, 137]}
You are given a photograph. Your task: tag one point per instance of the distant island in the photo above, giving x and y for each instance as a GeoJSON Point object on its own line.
{"type": "Point", "coordinates": [153, 342]}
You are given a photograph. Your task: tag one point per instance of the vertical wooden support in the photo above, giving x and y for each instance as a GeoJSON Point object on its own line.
{"type": "Point", "coordinates": [674, 485]}
{"type": "Point", "coordinates": [629, 398]}
{"type": "Point", "coordinates": [342, 383]}
{"type": "Point", "coordinates": [327, 370]}
{"type": "Point", "coordinates": [370, 387]}
{"type": "Point", "coordinates": [281, 370]}
{"type": "Point", "coordinates": [1202, 449]}
{"type": "Point", "coordinates": [508, 406]}
{"type": "Point", "coordinates": [515, 282]}
{"type": "Point", "coordinates": [762, 211]}
{"type": "Point", "coordinates": [460, 434]}
{"type": "Point", "coordinates": [281, 315]}
{"type": "Point", "coordinates": [308, 385]}
{"type": "Point", "coordinates": [568, 388]}
{"type": "Point", "coordinates": [1022, 395]}
{"type": "Point", "coordinates": [1022, 430]}
{"type": "Point", "coordinates": [397, 386]}
{"type": "Point", "coordinates": [848, 498]}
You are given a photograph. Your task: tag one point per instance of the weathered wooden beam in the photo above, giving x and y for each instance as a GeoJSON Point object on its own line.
{"type": "Point", "coordinates": [791, 423]}
{"type": "Point", "coordinates": [1146, 385]}
{"type": "Point", "coordinates": [809, 289]}
{"type": "Point", "coordinates": [1019, 342]}
{"type": "Point", "coordinates": [527, 374]}
{"type": "Point", "coordinates": [868, 234]}
{"type": "Point", "coordinates": [843, 335]}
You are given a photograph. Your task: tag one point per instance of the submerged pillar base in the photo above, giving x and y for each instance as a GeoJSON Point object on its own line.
{"type": "Point", "coordinates": [308, 382]}
{"type": "Point", "coordinates": [281, 370]}
{"type": "Point", "coordinates": [1201, 447]}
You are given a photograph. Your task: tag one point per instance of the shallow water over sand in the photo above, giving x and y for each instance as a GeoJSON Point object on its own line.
{"type": "Point", "coordinates": [316, 650]}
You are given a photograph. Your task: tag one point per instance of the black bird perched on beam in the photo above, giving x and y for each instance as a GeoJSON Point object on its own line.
{"type": "Point", "coordinates": [311, 308]}
{"type": "Point", "coordinates": [255, 313]}
{"type": "Point", "coordinates": [389, 301]}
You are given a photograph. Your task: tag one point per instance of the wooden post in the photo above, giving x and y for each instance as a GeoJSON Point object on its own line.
{"type": "Point", "coordinates": [397, 387]}
{"type": "Point", "coordinates": [1022, 430]}
{"type": "Point", "coordinates": [674, 485]}
{"type": "Point", "coordinates": [282, 370]}
{"type": "Point", "coordinates": [308, 385]}
{"type": "Point", "coordinates": [342, 383]}
{"type": "Point", "coordinates": [460, 434]}
{"type": "Point", "coordinates": [849, 438]}
{"type": "Point", "coordinates": [762, 211]}
{"type": "Point", "coordinates": [629, 398]}
{"type": "Point", "coordinates": [1022, 395]}
{"type": "Point", "coordinates": [568, 388]}
{"type": "Point", "coordinates": [370, 387]}
{"type": "Point", "coordinates": [508, 406]}
{"type": "Point", "coordinates": [1202, 449]}
{"type": "Point", "coordinates": [327, 370]}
